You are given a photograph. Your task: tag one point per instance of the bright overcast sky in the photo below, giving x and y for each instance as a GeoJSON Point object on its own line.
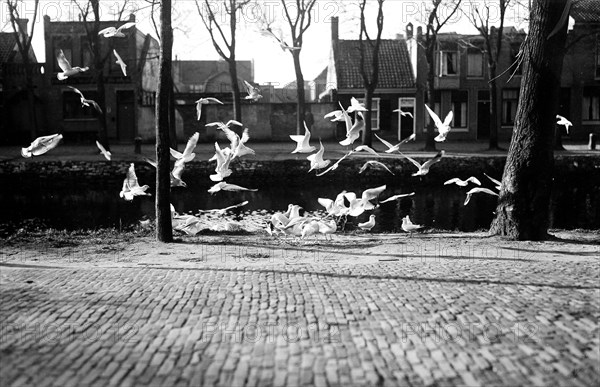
{"type": "Point", "coordinates": [192, 41]}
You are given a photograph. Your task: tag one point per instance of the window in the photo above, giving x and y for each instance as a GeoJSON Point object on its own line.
{"type": "Point", "coordinates": [475, 64]}
{"type": "Point", "coordinates": [591, 104]}
{"type": "Point", "coordinates": [448, 63]}
{"type": "Point", "coordinates": [460, 100]}
{"type": "Point", "coordinates": [86, 54]}
{"type": "Point", "coordinates": [510, 100]}
{"type": "Point", "coordinates": [196, 88]}
{"type": "Point", "coordinates": [375, 103]}
{"type": "Point", "coordinates": [72, 108]}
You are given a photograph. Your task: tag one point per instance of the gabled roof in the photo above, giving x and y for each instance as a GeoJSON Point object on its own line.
{"type": "Point", "coordinates": [394, 64]}
{"type": "Point", "coordinates": [586, 11]}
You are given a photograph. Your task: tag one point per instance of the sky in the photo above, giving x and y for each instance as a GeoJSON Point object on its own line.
{"type": "Point", "coordinates": [271, 64]}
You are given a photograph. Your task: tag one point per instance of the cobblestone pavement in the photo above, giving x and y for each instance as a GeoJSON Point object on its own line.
{"type": "Point", "coordinates": [407, 322]}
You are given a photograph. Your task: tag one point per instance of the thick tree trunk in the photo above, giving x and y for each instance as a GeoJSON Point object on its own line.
{"type": "Point", "coordinates": [172, 117]}
{"type": "Point", "coordinates": [101, 90]}
{"type": "Point", "coordinates": [235, 91]}
{"type": "Point", "coordinates": [523, 207]}
{"type": "Point", "coordinates": [164, 230]}
{"type": "Point", "coordinates": [31, 97]}
{"type": "Point", "coordinates": [301, 108]}
{"type": "Point", "coordinates": [493, 140]}
{"type": "Point", "coordinates": [367, 133]}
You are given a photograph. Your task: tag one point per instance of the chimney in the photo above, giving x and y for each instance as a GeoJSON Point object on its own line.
{"type": "Point", "coordinates": [335, 34]}
{"type": "Point", "coordinates": [131, 17]}
{"type": "Point", "coordinates": [409, 31]}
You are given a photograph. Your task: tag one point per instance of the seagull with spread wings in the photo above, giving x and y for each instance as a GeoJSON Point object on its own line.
{"type": "Point", "coordinates": [205, 101]}
{"type": "Point", "coordinates": [253, 92]}
{"type": "Point", "coordinates": [187, 154]}
{"type": "Point", "coordinates": [284, 46]}
{"type": "Point", "coordinates": [65, 66]}
{"type": "Point", "coordinates": [394, 148]}
{"type": "Point", "coordinates": [374, 163]}
{"type": "Point", "coordinates": [223, 158]}
{"type": "Point", "coordinates": [403, 113]}
{"type": "Point", "coordinates": [302, 142]}
{"type": "Point", "coordinates": [238, 144]}
{"type": "Point", "coordinates": [41, 145]}
{"type": "Point", "coordinates": [442, 127]}
{"type": "Point", "coordinates": [424, 168]}
{"type": "Point", "coordinates": [353, 132]}
{"type": "Point", "coordinates": [335, 165]}
{"type": "Point", "coordinates": [112, 32]}
{"type": "Point", "coordinates": [85, 101]}
{"type": "Point", "coordinates": [356, 106]}
{"type": "Point", "coordinates": [463, 183]}
{"type": "Point", "coordinates": [131, 187]}
{"type": "Point", "coordinates": [478, 190]}
{"type": "Point", "coordinates": [563, 121]}
{"type": "Point", "coordinates": [120, 62]}
{"type": "Point", "coordinates": [222, 186]}
{"type": "Point", "coordinates": [103, 150]}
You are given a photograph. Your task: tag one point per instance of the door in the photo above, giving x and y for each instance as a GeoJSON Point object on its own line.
{"type": "Point", "coordinates": [125, 115]}
{"type": "Point", "coordinates": [483, 115]}
{"type": "Point", "coordinates": [406, 122]}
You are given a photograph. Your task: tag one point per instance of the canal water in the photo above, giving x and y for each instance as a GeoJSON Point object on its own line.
{"type": "Point", "coordinates": [66, 203]}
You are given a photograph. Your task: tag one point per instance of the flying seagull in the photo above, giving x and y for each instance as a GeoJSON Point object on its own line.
{"type": "Point", "coordinates": [356, 106]}
{"type": "Point", "coordinates": [396, 197]}
{"type": "Point", "coordinates": [463, 183]}
{"type": "Point", "coordinates": [284, 46]}
{"type": "Point", "coordinates": [238, 144]}
{"type": "Point", "coordinates": [353, 132]}
{"type": "Point", "coordinates": [223, 158]}
{"type": "Point", "coordinates": [563, 121]}
{"type": "Point", "coordinates": [424, 168]}
{"type": "Point", "coordinates": [41, 145]}
{"type": "Point", "coordinates": [103, 150]}
{"type": "Point", "coordinates": [478, 190]}
{"type": "Point", "coordinates": [85, 101]}
{"type": "Point", "coordinates": [65, 66]}
{"type": "Point", "coordinates": [367, 149]}
{"type": "Point", "coordinates": [120, 62]}
{"type": "Point", "coordinates": [253, 92]}
{"type": "Point", "coordinates": [442, 127]}
{"type": "Point", "coordinates": [394, 148]}
{"type": "Point", "coordinates": [187, 154]}
{"type": "Point", "coordinates": [334, 166]}
{"type": "Point", "coordinates": [112, 32]}
{"type": "Point", "coordinates": [222, 186]}
{"type": "Point", "coordinates": [498, 183]}
{"type": "Point", "coordinates": [316, 159]}
{"type": "Point", "coordinates": [131, 188]}
{"type": "Point", "coordinates": [403, 114]}
{"type": "Point", "coordinates": [374, 163]}
{"type": "Point", "coordinates": [302, 142]}
{"type": "Point", "coordinates": [205, 101]}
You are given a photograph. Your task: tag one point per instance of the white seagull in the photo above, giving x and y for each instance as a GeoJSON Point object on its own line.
{"type": "Point", "coordinates": [463, 183]}
{"type": "Point", "coordinates": [222, 186]}
{"type": "Point", "coordinates": [253, 92]}
{"type": "Point", "coordinates": [131, 188]}
{"type": "Point", "coordinates": [367, 149]}
{"type": "Point", "coordinates": [176, 173]}
{"type": "Point", "coordinates": [374, 163]}
{"type": "Point", "coordinates": [223, 158]}
{"type": "Point", "coordinates": [396, 197]}
{"type": "Point", "coordinates": [394, 148]}
{"type": "Point", "coordinates": [408, 226]}
{"type": "Point", "coordinates": [327, 228]}
{"type": "Point", "coordinates": [120, 62]}
{"type": "Point", "coordinates": [498, 183]}
{"type": "Point", "coordinates": [316, 159]}
{"type": "Point", "coordinates": [302, 142]}
{"type": "Point", "coordinates": [205, 101]}
{"type": "Point", "coordinates": [41, 145]}
{"type": "Point", "coordinates": [367, 226]}
{"type": "Point", "coordinates": [103, 150]}
{"type": "Point", "coordinates": [403, 114]}
{"type": "Point", "coordinates": [356, 106]}
{"type": "Point", "coordinates": [478, 190]}
{"type": "Point", "coordinates": [237, 143]}
{"type": "Point", "coordinates": [338, 115]}
{"type": "Point", "coordinates": [85, 101]}
{"type": "Point", "coordinates": [187, 154]}
{"type": "Point", "coordinates": [563, 121]}
{"type": "Point", "coordinates": [442, 127]}
{"type": "Point", "coordinates": [112, 32]}
{"type": "Point", "coordinates": [284, 46]}
{"type": "Point", "coordinates": [334, 166]}
{"type": "Point", "coordinates": [65, 66]}
{"type": "Point", "coordinates": [353, 133]}
{"type": "Point", "coordinates": [424, 168]}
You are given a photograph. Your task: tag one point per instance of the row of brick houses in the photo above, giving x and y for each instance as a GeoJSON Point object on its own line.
{"type": "Point", "coordinates": [461, 85]}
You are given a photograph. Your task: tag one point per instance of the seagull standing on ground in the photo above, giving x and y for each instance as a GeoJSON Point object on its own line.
{"type": "Point", "coordinates": [408, 226]}
{"type": "Point", "coordinates": [65, 66]}
{"type": "Point", "coordinates": [41, 145]}
{"type": "Point", "coordinates": [396, 197]}
{"type": "Point", "coordinates": [424, 168]}
{"type": "Point", "coordinates": [367, 226]}
{"type": "Point", "coordinates": [442, 127]}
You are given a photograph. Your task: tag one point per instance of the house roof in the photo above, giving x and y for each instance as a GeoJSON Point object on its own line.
{"type": "Point", "coordinates": [7, 47]}
{"type": "Point", "coordinates": [586, 11]}
{"type": "Point", "coordinates": [394, 64]}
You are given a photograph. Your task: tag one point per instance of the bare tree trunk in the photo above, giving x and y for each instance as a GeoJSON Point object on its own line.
{"type": "Point", "coordinates": [367, 138]}
{"type": "Point", "coordinates": [235, 90]}
{"type": "Point", "coordinates": [31, 97]}
{"type": "Point", "coordinates": [430, 142]}
{"type": "Point", "coordinates": [164, 230]}
{"type": "Point", "coordinates": [172, 118]}
{"type": "Point", "coordinates": [493, 140]}
{"type": "Point", "coordinates": [99, 68]}
{"type": "Point", "coordinates": [523, 207]}
{"type": "Point", "coordinates": [301, 107]}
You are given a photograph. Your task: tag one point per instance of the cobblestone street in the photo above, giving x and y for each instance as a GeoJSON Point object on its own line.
{"type": "Point", "coordinates": [406, 322]}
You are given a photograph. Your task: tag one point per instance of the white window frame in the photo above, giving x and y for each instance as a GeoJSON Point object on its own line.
{"type": "Point", "coordinates": [407, 102]}
{"type": "Point", "coordinates": [443, 62]}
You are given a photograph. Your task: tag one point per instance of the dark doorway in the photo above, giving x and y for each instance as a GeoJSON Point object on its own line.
{"type": "Point", "coordinates": [125, 115]}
